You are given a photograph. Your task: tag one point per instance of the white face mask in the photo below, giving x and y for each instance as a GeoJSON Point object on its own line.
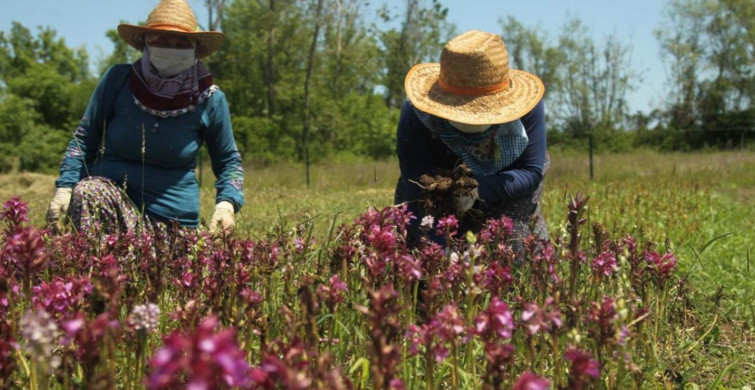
{"type": "Point", "coordinates": [466, 128]}
{"type": "Point", "coordinates": [170, 62]}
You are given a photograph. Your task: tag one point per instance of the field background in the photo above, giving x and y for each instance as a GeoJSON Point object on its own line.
{"type": "Point", "coordinates": [699, 203]}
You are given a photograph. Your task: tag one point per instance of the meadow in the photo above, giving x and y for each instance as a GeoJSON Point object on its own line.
{"type": "Point", "coordinates": [696, 206]}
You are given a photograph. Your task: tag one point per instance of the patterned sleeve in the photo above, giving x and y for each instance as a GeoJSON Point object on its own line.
{"type": "Point", "coordinates": [82, 148]}
{"type": "Point", "coordinates": [226, 160]}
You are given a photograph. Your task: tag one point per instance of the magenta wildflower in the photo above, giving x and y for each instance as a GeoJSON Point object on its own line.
{"type": "Point", "coordinates": [495, 322]}
{"type": "Point", "coordinates": [25, 250]}
{"type": "Point", "coordinates": [410, 269]}
{"type": "Point", "coordinates": [14, 214]}
{"type": "Point", "coordinates": [662, 266]}
{"type": "Point", "coordinates": [333, 292]}
{"type": "Point", "coordinates": [446, 326]}
{"type": "Point", "coordinates": [530, 381]}
{"type": "Point", "coordinates": [61, 297]}
{"type": "Point", "coordinates": [497, 278]}
{"type": "Point", "coordinates": [447, 226]}
{"type": "Point", "coordinates": [451, 323]}
{"type": "Point", "coordinates": [546, 318]}
{"type": "Point", "coordinates": [87, 337]}
{"type": "Point", "coordinates": [426, 335]}
{"type": "Point", "coordinates": [604, 264]}
{"type": "Point", "coordinates": [584, 369]}
{"type": "Point", "coordinates": [603, 315]}
{"type": "Point", "coordinates": [497, 230]}
{"type": "Point", "coordinates": [202, 359]}
{"type": "Point", "coordinates": [7, 346]}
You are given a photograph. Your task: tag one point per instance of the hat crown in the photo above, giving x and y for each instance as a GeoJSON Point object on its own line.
{"type": "Point", "coordinates": [474, 59]}
{"type": "Point", "coordinates": [173, 15]}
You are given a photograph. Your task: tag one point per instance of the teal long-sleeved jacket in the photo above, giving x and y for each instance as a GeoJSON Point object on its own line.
{"type": "Point", "coordinates": [152, 157]}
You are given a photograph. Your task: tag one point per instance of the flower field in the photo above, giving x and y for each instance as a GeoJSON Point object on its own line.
{"type": "Point", "coordinates": [642, 285]}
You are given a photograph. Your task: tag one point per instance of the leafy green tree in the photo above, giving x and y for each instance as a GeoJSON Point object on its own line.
{"type": "Point", "coordinates": [424, 31]}
{"type": "Point", "coordinates": [709, 48]}
{"type": "Point", "coordinates": [44, 89]}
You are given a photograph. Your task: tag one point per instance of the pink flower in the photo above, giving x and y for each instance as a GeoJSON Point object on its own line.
{"type": "Point", "coordinates": [25, 250]}
{"type": "Point", "coordinates": [495, 322]}
{"type": "Point", "coordinates": [546, 318]}
{"type": "Point", "coordinates": [662, 266]}
{"type": "Point", "coordinates": [497, 230]}
{"type": "Point", "coordinates": [206, 358]}
{"type": "Point", "coordinates": [61, 297]}
{"type": "Point", "coordinates": [497, 278]}
{"type": "Point", "coordinates": [530, 381]}
{"type": "Point", "coordinates": [410, 269]}
{"type": "Point", "coordinates": [447, 225]}
{"type": "Point", "coordinates": [584, 369]}
{"type": "Point", "coordinates": [604, 264]}
{"type": "Point", "coordinates": [14, 214]}
{"type": "Point", "coordinates": [603, 315]}
{"type": "Point", "coordinates": [333, 293]}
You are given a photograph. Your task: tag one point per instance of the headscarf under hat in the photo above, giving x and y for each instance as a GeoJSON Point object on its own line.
{"type": "Point", "coordinates": [173, 96]}
{"type": "Point", "coordinates": [485, 153]}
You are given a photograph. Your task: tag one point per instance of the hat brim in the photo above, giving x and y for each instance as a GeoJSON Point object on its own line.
{"type": "Point", "coordinates": [208, 42]}
{"type": "Point", "coordinates": [524, 92]}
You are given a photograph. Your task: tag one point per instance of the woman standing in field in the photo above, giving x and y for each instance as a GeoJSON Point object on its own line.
{"type": "Point", "coordinates": [472, 109]}
{"type": "Point", "coordinates": [135, 149]}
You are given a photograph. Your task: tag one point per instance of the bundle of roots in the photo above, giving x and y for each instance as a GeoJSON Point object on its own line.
{"type": "Point", "coordinates": [442, 189]}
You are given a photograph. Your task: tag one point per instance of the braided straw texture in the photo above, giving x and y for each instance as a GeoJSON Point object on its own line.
{"type": "Point", "coordinates": [173, 17]}
{"type": "Point", "coordinates": [474, 59]}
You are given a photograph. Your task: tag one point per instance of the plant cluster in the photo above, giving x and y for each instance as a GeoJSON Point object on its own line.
{"type": "Point", "coordinates": [357, 309]}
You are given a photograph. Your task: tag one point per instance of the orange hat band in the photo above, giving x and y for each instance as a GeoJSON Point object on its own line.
{"type": "Point", "coordinates": [168, 27]}
{"type": "Point", "coordinates": [487, 90]}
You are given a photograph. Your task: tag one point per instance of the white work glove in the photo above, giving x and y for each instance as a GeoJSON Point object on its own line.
{"type": "Point", "coordinates": [465, 200]}
{"type": "Point", "coordinates": [58, 206]}
{"type": "Point", "coordinates": [222, 216]}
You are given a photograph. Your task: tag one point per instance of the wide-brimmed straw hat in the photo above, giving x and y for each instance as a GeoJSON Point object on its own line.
{"type": "Point", "coordinates": [473, 83]}
{"type": "Point", "coordinates": [173, 17]}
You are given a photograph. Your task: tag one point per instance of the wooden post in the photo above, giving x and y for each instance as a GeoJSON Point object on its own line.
{"type": "Point", "coordinates": [592, 176]}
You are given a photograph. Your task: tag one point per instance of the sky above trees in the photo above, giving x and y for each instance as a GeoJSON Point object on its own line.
{"type": "Point", "coordinates": [84, 22]}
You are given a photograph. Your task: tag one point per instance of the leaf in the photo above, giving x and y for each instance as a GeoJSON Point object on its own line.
{"type": "Point", "coordinates": [713, 240]}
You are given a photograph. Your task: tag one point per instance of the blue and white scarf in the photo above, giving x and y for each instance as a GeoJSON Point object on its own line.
{"type": "Point", "coordinates": [484, 153]}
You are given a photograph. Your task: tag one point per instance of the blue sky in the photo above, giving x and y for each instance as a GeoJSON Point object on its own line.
{"type": "Point", "coordinates": [84, 22]}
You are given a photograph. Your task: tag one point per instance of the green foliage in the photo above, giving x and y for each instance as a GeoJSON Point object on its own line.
{"type": "Point", "coordinates": [45, 89]}
{"type": "Point", "coordinates": [358, 72]}
{"type": "Point", "coordinates": [710, 48]}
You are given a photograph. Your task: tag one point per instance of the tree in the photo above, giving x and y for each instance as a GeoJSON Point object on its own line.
{"type": "Point", "coordinates": [423, 34]}
{"type": "Point", "coordinates": [594, 81]}
{"type": "Point", "coordinates": [709, 47]}
{"type": "Point", "coordinates": [44, 88]}
{"type": "Point", "coordinates": [530, 49]}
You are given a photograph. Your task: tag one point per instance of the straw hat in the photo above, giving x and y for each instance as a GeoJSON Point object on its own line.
{"type": "Point", "coordinates": [173, 17]}
{"type": "Point", "coordinates": [473, 83]}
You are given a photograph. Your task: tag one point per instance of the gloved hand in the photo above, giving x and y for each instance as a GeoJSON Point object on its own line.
{"type": "Point", "coordinates": [58, 206]}
{"type": "Point", "coordinates": [223, 217]}
{"type": "Point", "coordinates": [465, 200]}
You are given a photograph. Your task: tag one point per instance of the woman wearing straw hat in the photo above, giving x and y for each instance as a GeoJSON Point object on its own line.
{"type": "Point", "coordinates": [135, 149]}
{"type": "Point", "coordinates": [472, 108]}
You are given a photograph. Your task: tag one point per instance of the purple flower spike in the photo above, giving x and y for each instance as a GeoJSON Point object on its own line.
{"type": "Point", "coordinates": [530, 381]}
{"type": "Point", "coordinates": [604, 264]}
{"type": "Point", "coordinates": [584, 369]}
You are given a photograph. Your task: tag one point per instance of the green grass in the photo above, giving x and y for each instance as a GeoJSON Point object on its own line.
{"type": "Point", "coordinates": [700, 204]}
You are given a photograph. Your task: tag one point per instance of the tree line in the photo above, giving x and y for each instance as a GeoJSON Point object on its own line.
{"type": "Point", "coordinates": [313, 79]}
